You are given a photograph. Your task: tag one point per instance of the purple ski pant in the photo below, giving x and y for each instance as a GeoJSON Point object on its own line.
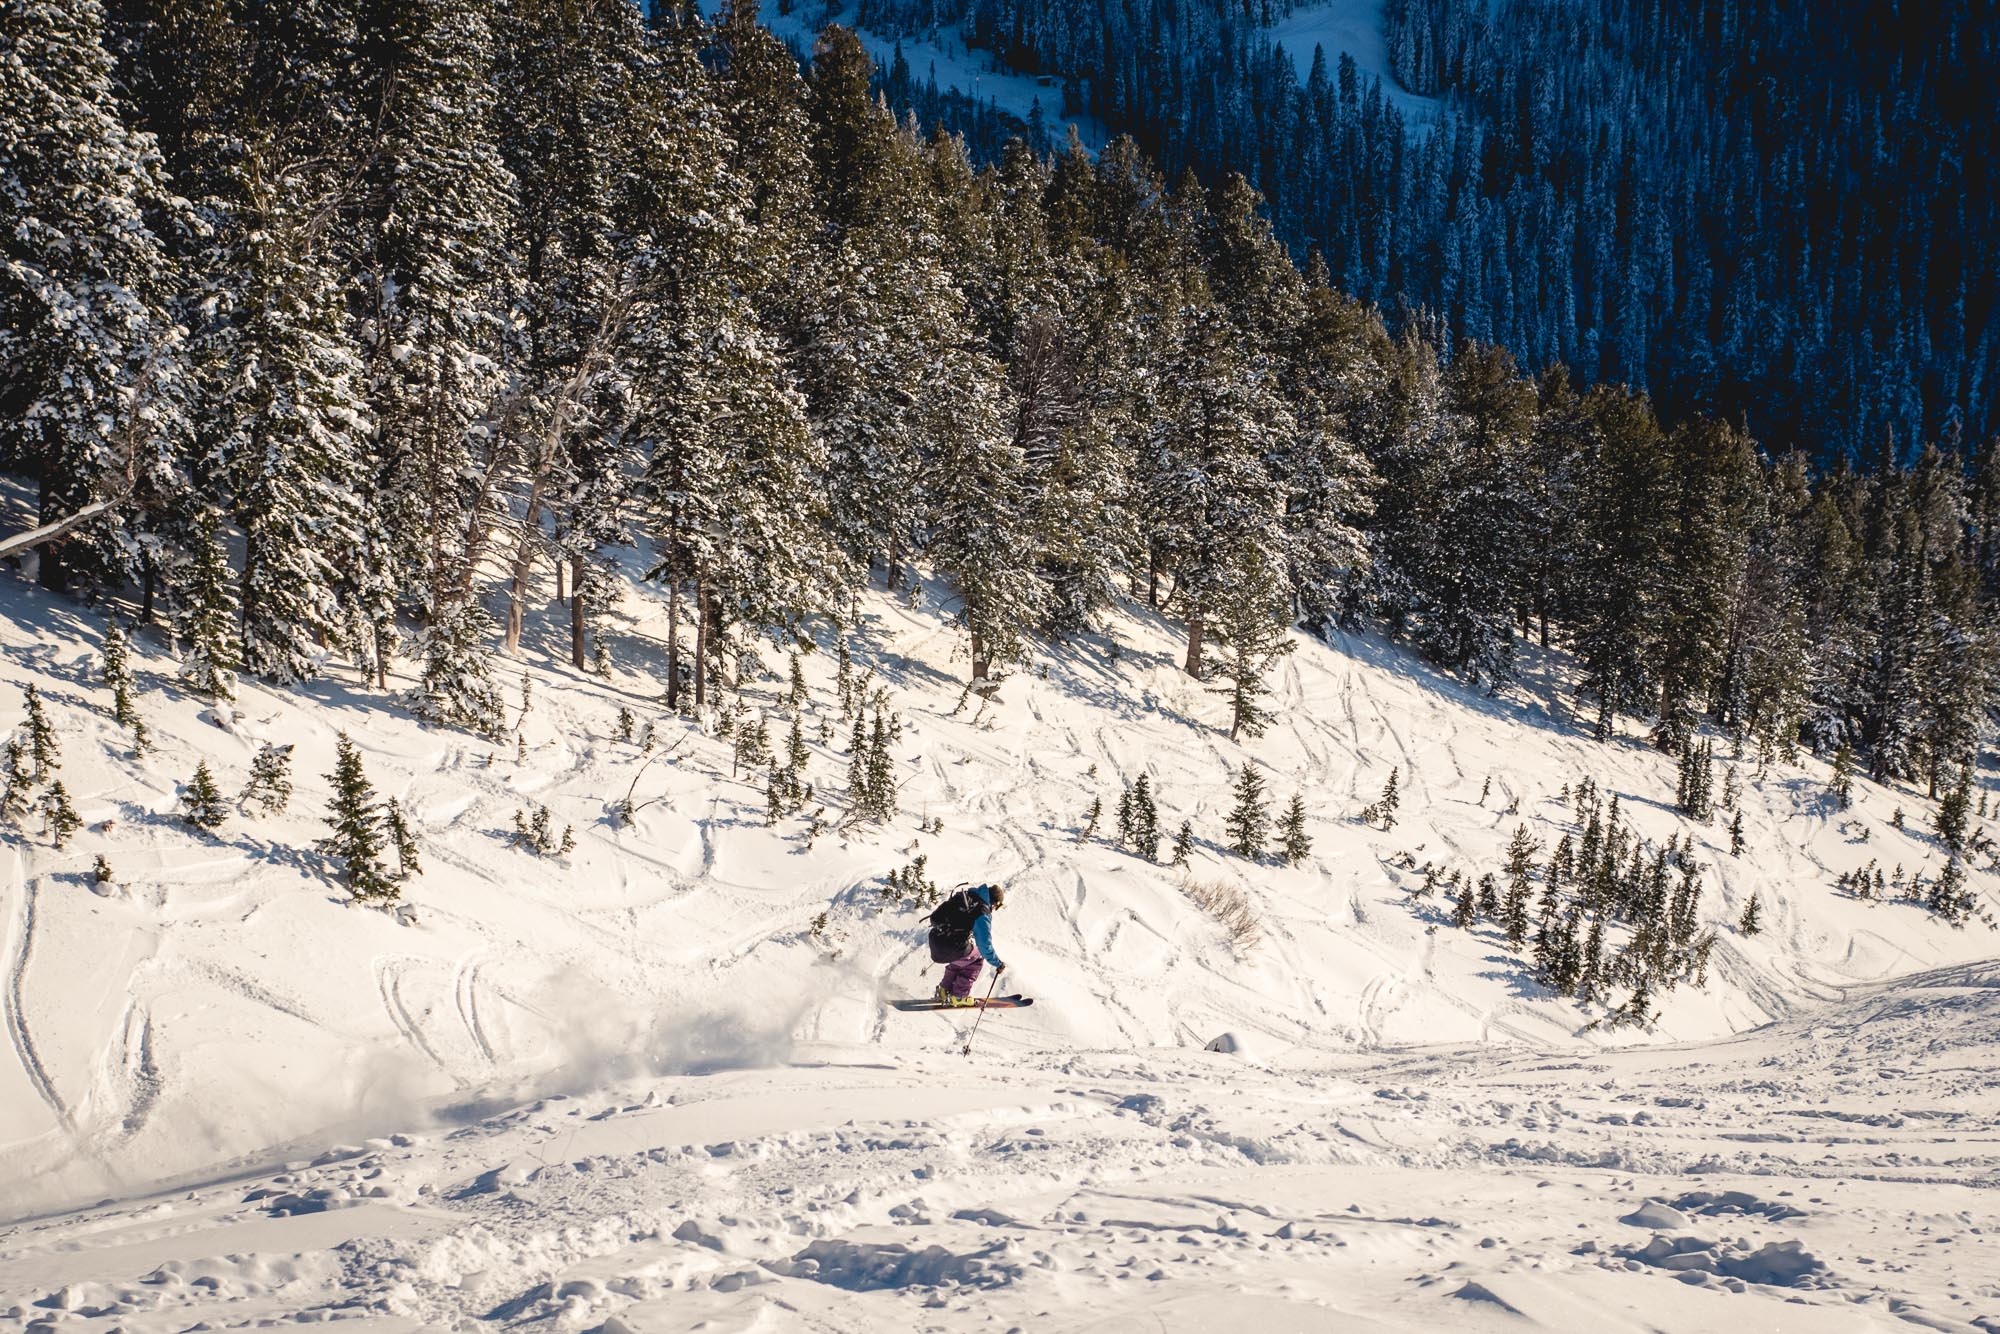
{"type": "Point", "coordinates": [960, 974]}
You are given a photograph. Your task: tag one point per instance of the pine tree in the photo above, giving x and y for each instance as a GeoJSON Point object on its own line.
{"type": "Point", "coordinates": [1736, 835]}
{"type": "Point", "coordinates": [1124, 817]}
{"type": "Point", "coordinates": [1954, 812]}
{"type": "Point", "coordinates": [1489, 896]}
{"type": "Point", "coordinates": [59, 818]}
{"type": "Point", "coordinates": [1466, 912]}
{"type": "Point", "coordinates": [1520, 886]}
{"type": "Point", "coordinates": [1750, 923]}
{"type": "Point", "coordinates": [270, 785]}
{"type": "Point", "coordinates": [455, 687]}
{"type": "Point", "coordinates": [20, 781]}
{"type": "Point", "coordinates": [796, 754]}
{"type": "Point", "coordinates": [118, 676]}
{"type": "Point", "coordinates": [91, 371]}
{"type": "Point", "coordinates": [404, 840]}
{"type": "Point", "coordinates": [1294, 842]}
{"type": "Point", "coordinates": [201, 800]}
{"type": "Point", "coordinates": [1252, 623]}
{"type": "Point", "coordinates": [1183, 845]}
{"type": "Point", "coordinates": [859, 800]}
{"type": "Point", "coordinates": [1248, 818]}
{"type": "Point", "coordinates": [42, 746]}
{"type": "Point", "coordinates": [1948, 896]}
{"type": "Point", "coordinates": [1732, 789]}
{"type": "Point", "coordinates": [1145, 832]}
{"type": "Point", "coordinates": [208, 620]}
{"type": "Point", "coordinates": [1842, 783]}
{"type": "Point", "coordinates": [357, 823]}
{"type": "Point", "coordinates": [1090, 818]}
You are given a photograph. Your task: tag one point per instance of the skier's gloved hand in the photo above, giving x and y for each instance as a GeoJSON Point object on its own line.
{"type": "Point", "coordinates": [999, 969]}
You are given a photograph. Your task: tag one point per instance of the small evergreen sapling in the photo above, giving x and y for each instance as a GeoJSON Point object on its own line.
{"type": "Point", "coordinates": [1184, 844]}
{"type": "Point", "coordinates": [42, 746]}
{"type": "Point", "coordinates": [1842, 783]}
{"type": "Point", "coordinates": [1090, 819]}
{"type": "Point", "coordinates": [20, 780]}
{"type": "Point", "coordinates": [102, 872]}
{"type": "Point", "coordinates": [1145, 831]}
{"type": "Point", "coordinates": [404, 839]}
{"type": "Point", "coordinates": [201, 800]}
{"type": "Point", "coordinates": [1751, 922]}
{"type": "Point", "coordinates": [270, 785]}
{"type": "Point", "coordinates": [1383, 809]}
{"type": "Point", "coordinates": [1489, 897]}
{"type": "Point", "coordinates": [1954, 813]}
{"type": "Point", "coordinates": [1466, 914]}
{"type": "Point", "coordinates": [623, 730]}
{"type": "Point", "coordinates": [1294, 844]}
{"type": "Point", "coordinates": [59, 818]}
{"type": "Point", "coordinates": [1248, 818]}
{"type": "Point", "coordinates": [1736, 835]}
{"type": "Point", "coordinates": [356, 820]}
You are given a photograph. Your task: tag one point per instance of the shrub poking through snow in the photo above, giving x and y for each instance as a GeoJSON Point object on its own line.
{"type": "Point", "coordinates": [910, 884]}
{"type": "Point", "coordinates": [201, 800]}
{"type": "Point", "coordinates": [1229, 906]}
{"type": "Point", "coordinates": [102, 872]}
{"type": "Point", "coordinates": [537, 833]}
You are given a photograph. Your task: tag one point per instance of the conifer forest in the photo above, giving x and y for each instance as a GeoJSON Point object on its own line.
{"type": "Point", "coordinates": [331, 324]}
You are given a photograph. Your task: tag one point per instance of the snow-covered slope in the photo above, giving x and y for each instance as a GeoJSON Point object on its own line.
{"type": "Point", "coordinates": [219, 1009]}
{"type": "Point", "coordinates": [1354, 28]}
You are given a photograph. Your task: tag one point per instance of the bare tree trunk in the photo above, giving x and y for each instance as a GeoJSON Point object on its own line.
{"type": "Point", "coordinates": [524, 566]}
{"type": "Point", "coordinates": [577, 629]}
{"type": "Point", "coordinates": [673, 641]}
{"type": "Point", "coordinates": [562, 589]}
{"type": "Point", "coordinates": [1194, 649]}
{"type": "Point", "coordinates": [700, 642]}
{"type": "Point", "coordinates": [1152, 578]}
{"type": "Point", "coordinates": [892, 578]}
{"type": "Point", "coordinates": [980, 663]}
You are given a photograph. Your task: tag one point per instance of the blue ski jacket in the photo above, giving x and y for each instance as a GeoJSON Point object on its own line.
{"type": "Point", "coordinates": [982, 926]}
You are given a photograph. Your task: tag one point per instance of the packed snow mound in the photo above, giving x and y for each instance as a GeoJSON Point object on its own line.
{"type": "Point", "coordinates": [219, 1000]}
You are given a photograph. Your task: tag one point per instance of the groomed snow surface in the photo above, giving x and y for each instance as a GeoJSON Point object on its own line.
{"type": "Point", "coordinates": [634, 1089]}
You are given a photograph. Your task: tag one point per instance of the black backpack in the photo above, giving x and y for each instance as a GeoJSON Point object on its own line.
{"type": "Point", "coordinates": [951, 924]}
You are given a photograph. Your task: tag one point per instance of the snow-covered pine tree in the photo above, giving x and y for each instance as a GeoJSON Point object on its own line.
{"type": "Point", "coordinates": [1736, 835]}
{"type": "Point", "coordinates": [1248, 818]}
{"type": "Point", "coordinates": [1465, 912]}
{"type": "Point", "coordinates": [1293, 842]}
{"type": "Point", "coordinates": [91, 384]}
{"type": "Point", "coordinates": [1212, 509]}
{"type": "Point", "coordinates": [1252, 622]}
{"type": "Point", "coordinates": [1183, 845]}
{"type": "Point", "coordinates": [208, 617]}
{"type": "Point", "coordinates": [59, 818]}
{"type": "Point", "coordinates": [440, 336]}
{"type": "Point", "coordinates": [1751, 922]}
{"type": "Point", "coordinates": [43, 748]}
{"type": "Point", "coordinates": [269, 788]}
{"type": "Point", "coordinates": [1841, 785]}
{"type": "Point", "coordinates": [356, 820]}
{"type": "Point", "coordinates": [1145, 836]}
{"type": "Point", "coordinates": [396, 822]}
{"type": "Point", "coordinates": [1954, 812]}
{"type": "Point", "coordinates": [20, 778]}
{"type": "Point", "coordinates": [201, 800]}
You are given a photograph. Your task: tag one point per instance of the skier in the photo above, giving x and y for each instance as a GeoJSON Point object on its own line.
{"type": "Point", "coordinates": [962, 939]}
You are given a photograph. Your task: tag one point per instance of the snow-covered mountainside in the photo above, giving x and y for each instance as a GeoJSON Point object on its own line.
{"type": "Point", "coordinates": [654, 1081]}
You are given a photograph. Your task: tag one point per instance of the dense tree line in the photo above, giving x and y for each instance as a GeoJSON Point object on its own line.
{"type": "Point", "coordinates": [337, 329]}
{"type": "Point", "coordinates": [1783, 211]}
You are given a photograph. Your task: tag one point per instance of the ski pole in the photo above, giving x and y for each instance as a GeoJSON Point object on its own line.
{"type": "Point", "coordinates": [990, 988]}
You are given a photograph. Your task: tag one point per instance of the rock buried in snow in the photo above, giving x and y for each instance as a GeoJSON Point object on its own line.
{"type": "Point", "coordinates": [867, 1266]}
{"type": "Point", "coordinates": [1779, 1263]}
{"type": "Point", "coordinates": [1658, 1216]}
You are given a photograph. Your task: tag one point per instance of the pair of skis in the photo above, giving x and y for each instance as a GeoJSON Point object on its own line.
{"type": "Point", "coordinates": [1013, 1002]}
